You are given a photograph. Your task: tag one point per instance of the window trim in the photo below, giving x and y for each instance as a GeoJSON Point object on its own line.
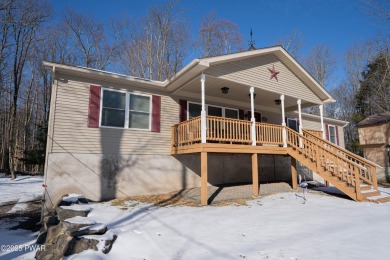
{"type": "Point", "coordinates": [207, 109]}
{"type": "Point", "coordinates": [335, 134]}
{"type": "Point", "coordinates": [127, 109]}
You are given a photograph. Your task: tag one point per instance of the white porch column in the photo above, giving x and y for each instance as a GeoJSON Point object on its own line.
{"type": "Point", "coordinates": [283, 122]}
{"type": "Point", "coordinates": [253, 127]}
{"type": "Point", "coordinates": [300, 116]}
{"type": "Point", "coordinates": [203, 126]}
{"type": "Point", "coordinates": [322, 121]}
{"type": "Point", "coordinates": [300, 127]}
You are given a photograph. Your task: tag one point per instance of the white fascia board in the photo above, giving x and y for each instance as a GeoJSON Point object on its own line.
{"type": "Point", "coordinates": [106, 74]}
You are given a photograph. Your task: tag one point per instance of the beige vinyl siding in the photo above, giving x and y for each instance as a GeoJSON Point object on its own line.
{"type": "Point", "coordinates": [254, 72]}
{"type": "Point", "coordinates": [72, 135]}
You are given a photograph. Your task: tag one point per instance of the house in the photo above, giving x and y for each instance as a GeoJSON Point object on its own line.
{"type": "Point", "coordinates": [233, 118]}
{"type": "Point", "coordinates": [374, 137]}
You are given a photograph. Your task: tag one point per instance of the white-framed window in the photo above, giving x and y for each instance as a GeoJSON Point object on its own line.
{"type": "Point", "coordinates": [121, 109]}
{"type": "Point", "coordinates": [332, 134]}
{"type": "Point", "coordinates": [292, 123]}
{"type": "Point", "coordinates": [194, 109]}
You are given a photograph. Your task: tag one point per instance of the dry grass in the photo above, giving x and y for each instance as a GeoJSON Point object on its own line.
{"type": "Point", "coordinates": [173, 199]}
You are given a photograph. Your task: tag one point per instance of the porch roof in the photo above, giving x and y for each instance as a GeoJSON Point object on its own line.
{"type": "Point", "coordinates": [244, 69]}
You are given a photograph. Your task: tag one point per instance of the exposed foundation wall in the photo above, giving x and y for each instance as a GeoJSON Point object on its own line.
{"type": "Point", "coordinates": [102, 177]}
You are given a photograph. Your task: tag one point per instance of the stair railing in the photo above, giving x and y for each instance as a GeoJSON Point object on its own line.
{"type": "Point", "coordinates": [368, 167]}
{"type": "Point", "coordinates": [328, 160]}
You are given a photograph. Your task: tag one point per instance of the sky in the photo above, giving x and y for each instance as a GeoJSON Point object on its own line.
{"type": "Point", "coordinates": [337, 23]}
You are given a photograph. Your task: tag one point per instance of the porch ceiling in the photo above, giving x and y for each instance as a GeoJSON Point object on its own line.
{"type": "Point", "coordinates": [237, 93]}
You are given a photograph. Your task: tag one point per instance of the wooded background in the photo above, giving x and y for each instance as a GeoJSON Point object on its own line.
{"type": "Point", "coordinates": [155, 47]}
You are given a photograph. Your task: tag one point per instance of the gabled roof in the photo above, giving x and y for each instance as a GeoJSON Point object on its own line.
{"type": "Point", "coordinates": [199, 65]}
{"type": "Point", "coordinates": [377, 119]}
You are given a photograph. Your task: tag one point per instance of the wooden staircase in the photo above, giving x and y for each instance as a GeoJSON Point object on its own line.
{"type": "Point", "coordinates": [351, 174]}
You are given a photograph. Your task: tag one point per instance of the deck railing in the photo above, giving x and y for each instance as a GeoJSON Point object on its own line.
{"type": "Point", "coordinates": [228, 130]}
{"type": "Point", "coordinates": [225, 130]}
{"type": "Point", "coordinates": [317, 133]}
{"type": "Point", "coordinates": [186, 132]}
{"type": "Point", "coordinates": [269, 134]}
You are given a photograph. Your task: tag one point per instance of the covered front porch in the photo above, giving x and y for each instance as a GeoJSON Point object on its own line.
{"type": "Point", "coordinates": [240, 132]}
{"type": "Point", "coordinates": [251, 103]}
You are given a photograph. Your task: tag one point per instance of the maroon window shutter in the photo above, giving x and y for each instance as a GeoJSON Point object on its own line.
{"type": "Point", "coordinates": [337, 135]}
{"type": "Point", "coordinates": [183, 110]}
{"type": "Point", "coordinates": [241, 114]}
{"type": "Point", "coordinates": [156, 113]}
{"type": "Point", "coordinates": [94, 106]}
{"type": "Point", "coordinates": [327, 132]}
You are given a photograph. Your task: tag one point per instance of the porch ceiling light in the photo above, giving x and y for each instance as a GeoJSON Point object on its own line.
{"type": "Point", "coordinates": [277, 102]}
{"type": "Point", "coordinates": [225, 90]}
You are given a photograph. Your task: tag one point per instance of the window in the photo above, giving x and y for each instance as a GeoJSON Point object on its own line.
{"type": "Point", "coordinates": [231, 113]}
{"type": "Point", "coordinates": [113, 108]}
{"type": "Point", "coordinates": [139, 111]}
{"type": "Point", "coordinates": [194, 110]}
{"type": "Point", "coordinates": [214, 111]}
{"type": "Point", "coordinates": [125, 110]}
{"type": "Point", "coordinates": [292, 123]}
{"type": "Point", "coordinates": [332, 134]}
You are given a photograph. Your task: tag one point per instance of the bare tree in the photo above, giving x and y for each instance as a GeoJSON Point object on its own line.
{"type": "Point", "coordinates": [218, 36]}
{"type": "Point", "coordinates": [91, 39]}
{"type": "Point", "coordinates": [26, 17]}
{"type": "Point", "coordinates": [156, 46]}
{"type": "Point", "coordinates": [377, 8]}
{"type": "Point", "coordinates": [320, 63]}
{"type": "Point", "coordinates": [292, 43]}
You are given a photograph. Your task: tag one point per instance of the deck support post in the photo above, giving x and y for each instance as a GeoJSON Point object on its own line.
{"type": "Point", "coordinates": [300, 121]}
{"type": "Point", "coordinates": [283, 122]}
{"type": "Point", "coordinates": [255, 176]}
{"type": "Point", "coordinates": [294, 179]}
{"type": "Point", "coordinates": [203, 125]}
{"type": "Point", "coordinates": [253, 126]}
{"type": "Point", "coordinates": [322, 121]}
{"type": "Point", "coordinates": [203, 176]}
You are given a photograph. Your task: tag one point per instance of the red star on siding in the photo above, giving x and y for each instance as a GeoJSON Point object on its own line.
{"type": "Point", "coordinates": [274, 73]}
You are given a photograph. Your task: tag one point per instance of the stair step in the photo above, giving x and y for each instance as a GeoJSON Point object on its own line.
{"type": "Point", "coordinates": [370, 193]}
{"type": "Point", "coordinates": [382, 200]}
{"type": "Point", "coordinates": [365, 187]}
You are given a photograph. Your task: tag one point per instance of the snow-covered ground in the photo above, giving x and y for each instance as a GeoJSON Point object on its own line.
{"type": "Point", "coordinates": [275, 227]}
{"type": "Point", "coordinates": [22, 189]}
{"type": "Point", "coordinates": [279, 226]}
{"type": "Point", "coordinates": [14, 244]}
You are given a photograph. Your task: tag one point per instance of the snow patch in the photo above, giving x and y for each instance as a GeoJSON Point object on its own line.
{"type": "Point", "coordinates": [22, 189]}
{"type": "Point", "coordinates": [18, 208]}
{"type": "Point", "coordinates": [77, 207]}
{"type": "Point", "coordinates": [81, 220]}
{"type": "Point", "coordinates": [73, 197]}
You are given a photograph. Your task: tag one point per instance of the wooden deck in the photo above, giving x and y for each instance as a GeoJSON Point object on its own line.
{"type": "Point", "coordinates": [227, 148]}
{"type": "Point", "coordinates": [345, 170]}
